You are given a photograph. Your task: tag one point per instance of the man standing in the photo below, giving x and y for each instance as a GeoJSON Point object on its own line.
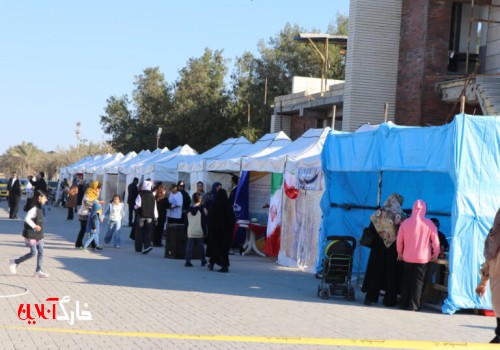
{"type": "Point", "coordinates": [133, 191]}
{"type": "Point", "coordinates": [186, 201]}
{"type": "Point", "coordinates": [14, 189]}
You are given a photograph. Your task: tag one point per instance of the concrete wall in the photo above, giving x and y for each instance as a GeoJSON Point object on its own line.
{"type": "Point", "coordinates": [372, 61]}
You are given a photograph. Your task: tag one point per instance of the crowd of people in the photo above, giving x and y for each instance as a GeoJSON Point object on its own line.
{"type": "Point", "coordinates": [207, 218]}
{"type": "Point", "coordinates": [398, 266]}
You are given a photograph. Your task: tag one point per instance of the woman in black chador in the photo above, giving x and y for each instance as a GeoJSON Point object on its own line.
{"type": "Point", "coordinates": [383, 271]}
{"type": "Point", "coordinates": [221, 222]}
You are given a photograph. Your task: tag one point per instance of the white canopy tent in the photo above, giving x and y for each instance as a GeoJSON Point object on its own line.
{"type": "Point", "coordinates": [308, 145]}
{"type": "Point", "coordinates": [217, 169]}
{"type": "Point", "coordinates": [165, 170]}
{"type": "Point", "coordinates": [196, 166]}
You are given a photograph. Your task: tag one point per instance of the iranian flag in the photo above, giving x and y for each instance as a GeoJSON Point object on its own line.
{"type": "Point", "coordinates": [274, 219]}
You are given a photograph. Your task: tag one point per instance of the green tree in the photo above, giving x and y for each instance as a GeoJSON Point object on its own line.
{"type": "Point", "coordinates": [258, 80]}
{"type": "Point", "coordinates": [23, 158]}
{"type": "Point", "coordinates": [133, 125]}
{"type": "Point", "coordinates": [203, 115]}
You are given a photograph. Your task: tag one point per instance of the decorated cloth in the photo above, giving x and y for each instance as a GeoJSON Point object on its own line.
{"type": "Point", "coordinates": [387, 219]}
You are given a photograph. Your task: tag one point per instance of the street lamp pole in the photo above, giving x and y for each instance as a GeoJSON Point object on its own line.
{"type": "Point", "coordinates": [158, 134]}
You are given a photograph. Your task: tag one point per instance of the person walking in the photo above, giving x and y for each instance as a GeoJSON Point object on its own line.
{"type": "Point", "coordinates": [147, 215]}
{"type": "Point", "coordinates": [417, 244]}
{"type": "Point", "coordinates": [115, 210]}
{"type": "Point", "coordinates": [91, 194]}
{"type": "Point", "coordinates": [93, 226]}
{"type": "Point", "coordinates": [133, 191]}
{"type": "Point", "coordinates": [72, 199]}
{"type": "Point", "coordinates": [195, 231]}
{"type": "Point", "coordinates": [14, 193]}
{"type": "Point", "coordinates": [490, 271]}
{"type": "Point", "coordinates": [33, 234]}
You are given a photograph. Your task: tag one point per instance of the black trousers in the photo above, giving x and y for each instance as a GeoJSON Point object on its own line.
{"type": "Point", "coordinates": [143, 233]}
{"type": "Point", "coordinates": [413, 285]}
{"type": "Point", "coordinates": [79, 239]}
{"type": "Point", "coordinates": [14, 206]}
{"type": "Point", "coordinates": [158, 235]}
{"type": "Point", "coordinates": [70, 214]}
{"type": "Point", "coordinates": [131, 214]}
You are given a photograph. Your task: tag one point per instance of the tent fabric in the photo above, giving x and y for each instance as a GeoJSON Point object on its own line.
{"type": "Point", "coordinates": [310, 143]}
{"type": "Point", "coordinates": [197, 163]}
{"type": "Point", "coordinates": [454, 168]}
{"type": "Point", "coordinates": [231, 160]}
{"type": "Point", "coordinates": [166, 169]}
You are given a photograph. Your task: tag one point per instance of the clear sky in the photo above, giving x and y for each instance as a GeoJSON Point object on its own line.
{"type": "Point", "coordinates": [60, 60]}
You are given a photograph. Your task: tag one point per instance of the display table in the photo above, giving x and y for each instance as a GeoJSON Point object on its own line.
{"type": "Point", "coordinates": [436, 289]}
{"type": "Point", "coordinates": [254, 232]}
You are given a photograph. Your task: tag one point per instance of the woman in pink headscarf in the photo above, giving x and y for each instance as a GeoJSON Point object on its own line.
{"type": "Point", "coordinates": [490, 270]}
{"type": "Point", "coordinates": [417, 244]}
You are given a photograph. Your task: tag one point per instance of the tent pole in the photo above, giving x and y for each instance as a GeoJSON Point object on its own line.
{"type": "Point", "coordinates": [334, 115]}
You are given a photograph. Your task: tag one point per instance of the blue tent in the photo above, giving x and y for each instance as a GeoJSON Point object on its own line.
{"type": "Point", "coordinates": [454, 168]}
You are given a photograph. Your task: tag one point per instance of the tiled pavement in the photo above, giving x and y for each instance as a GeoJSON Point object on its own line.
{"type": "Point", "coordinates": [148, 302]}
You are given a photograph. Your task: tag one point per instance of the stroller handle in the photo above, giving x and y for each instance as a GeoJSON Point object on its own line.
{"type": "Point", "coordinates": [350, 239]}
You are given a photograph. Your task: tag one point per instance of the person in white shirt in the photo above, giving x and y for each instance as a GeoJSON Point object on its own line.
{"type": "Point", "coordinates": [175, 198]}
{"type": "Point", "coordinates": [115, 211]}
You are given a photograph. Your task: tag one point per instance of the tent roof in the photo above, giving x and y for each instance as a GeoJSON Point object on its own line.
{"type": "Point", "coordinates": [163, 169]}
{"type": "Point", "coordinates": [309, 144]}
{"type": "Point", "coordinates": [231, 161]}
{"type": "Point", "coordinates": [99, 166]}
{"type": "Point", "coordinates": [127, 167]}
{"type": "Point", "coordinates": [197, 163]}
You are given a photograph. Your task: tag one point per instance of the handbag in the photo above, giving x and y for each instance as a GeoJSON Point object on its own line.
{"type": "Point", "coordinates": [367, 237]}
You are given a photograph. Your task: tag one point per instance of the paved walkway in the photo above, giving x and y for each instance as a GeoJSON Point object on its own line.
{"type": "Point", "coordinates": [148, 302]}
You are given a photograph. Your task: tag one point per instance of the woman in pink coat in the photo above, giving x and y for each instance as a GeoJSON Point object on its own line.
{"type": "Point", "coordinates": [490, 270]}
{"type": "Point", "coordinates": [417, 244]}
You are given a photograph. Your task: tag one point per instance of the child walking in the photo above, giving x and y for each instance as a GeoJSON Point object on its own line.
{"type": "Point", "coordinates": [195, 230]}
{"type": "Point", "coordinates": [115, 210]}
{"type": "Point", "coordinates": [93, 225]}
{"type": "Point", "coordinates": [33, 233]}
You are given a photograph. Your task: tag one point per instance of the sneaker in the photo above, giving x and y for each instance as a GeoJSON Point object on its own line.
{"type": "Point", "coordinates": [99, 248]}
{"type": "Point", "coordinates": [188, 264]}
{"type": "Point", "coordinates": [41, 274]}
{"type": "Point", "coordinates": [147, 250]}
{"type": "Point", "coordinates": [13, 266]}
{"type": "Point", "coordinates": [107, 245]}
{"type": "Point", "coordinates": [117, 246]}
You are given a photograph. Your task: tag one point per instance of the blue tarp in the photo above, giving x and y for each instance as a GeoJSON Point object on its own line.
{"type": "Point", "coordinates": [454, 168]}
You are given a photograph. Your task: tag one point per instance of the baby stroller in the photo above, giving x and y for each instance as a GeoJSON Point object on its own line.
{"type": "Point", "coordinates": [337, 268]}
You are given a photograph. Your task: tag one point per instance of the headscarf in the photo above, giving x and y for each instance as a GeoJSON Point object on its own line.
{"type": "Point", "coordinates": [492, 243]}
{"type": "Point", "coordinates": [214, 188]}
{"type": "Point", "coordinates": [147, 185]}
{"type": "Point", "coordinates": [387, 219]}
{"type": "Point", "coordinates": [92, 192]}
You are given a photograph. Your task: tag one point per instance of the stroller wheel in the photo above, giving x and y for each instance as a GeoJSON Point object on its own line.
{"type": "Point", "coordinates": [325, 292]}
{"type": "Point", "coordinates": [351, 294]}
